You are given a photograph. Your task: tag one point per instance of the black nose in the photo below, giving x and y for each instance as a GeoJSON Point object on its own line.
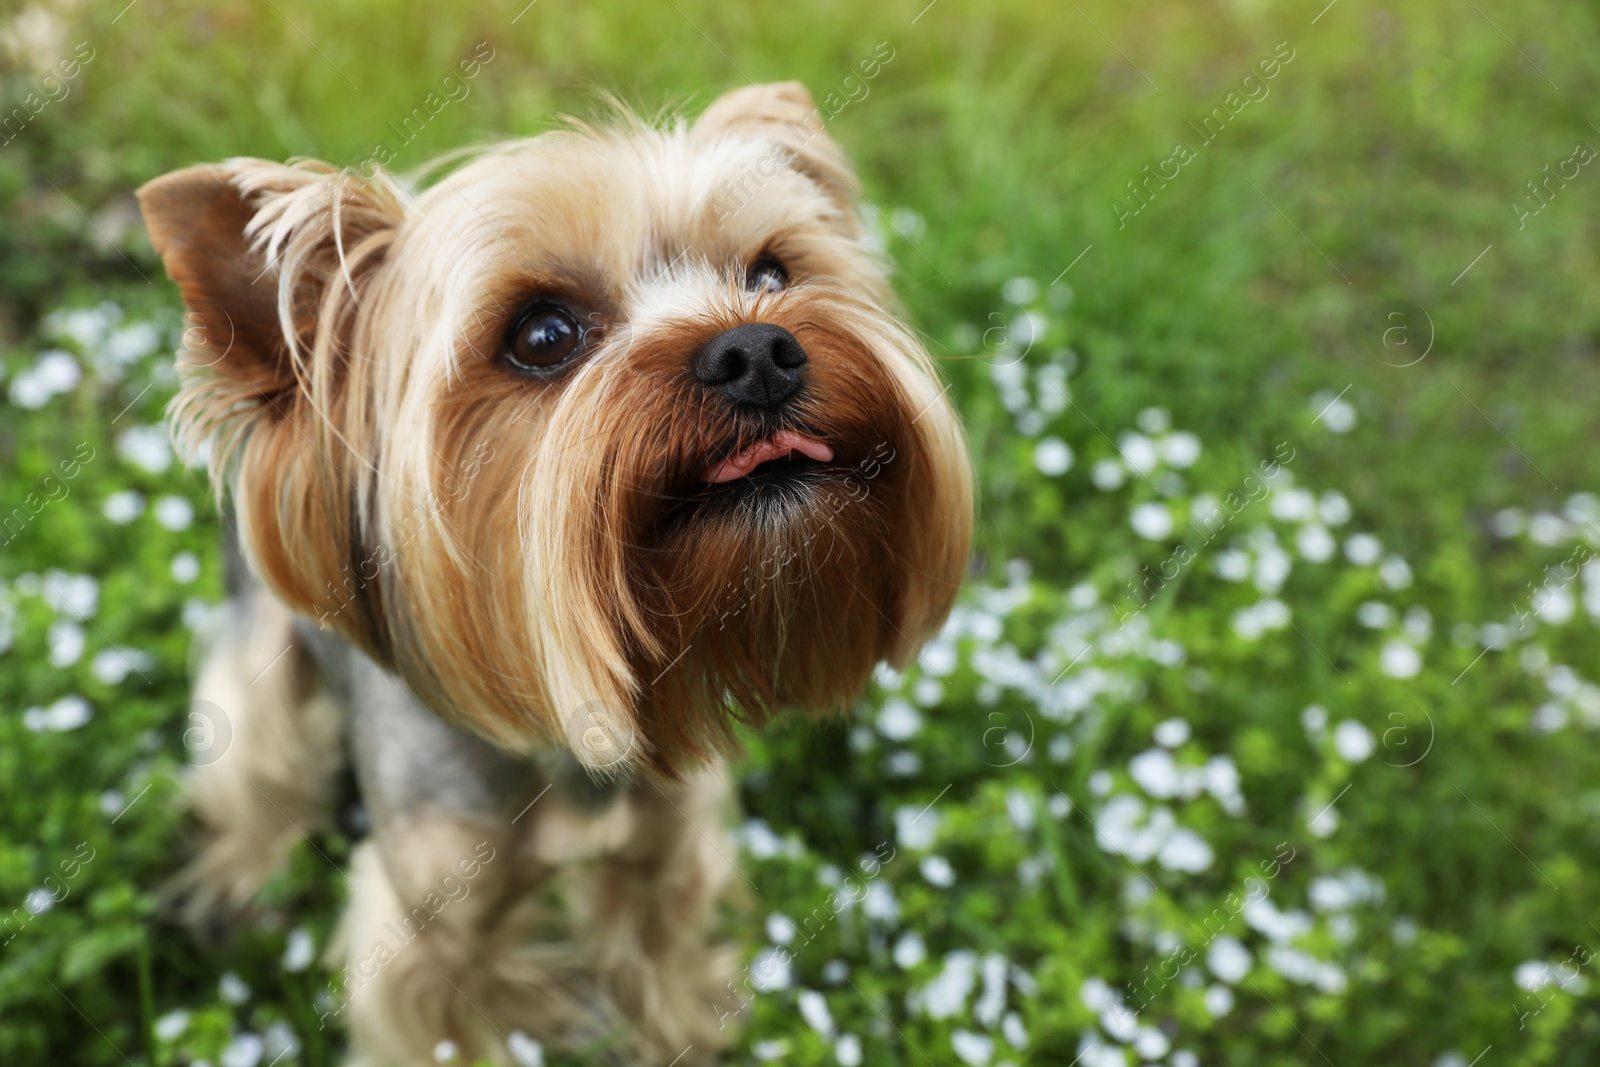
{"type": "Point", "coordinates": [757, 364]}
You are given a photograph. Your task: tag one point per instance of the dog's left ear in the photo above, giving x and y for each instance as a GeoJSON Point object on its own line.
{"type": "Point", "coordinates": [782, 112]}
{"type": "Point", "coordinates": [272, 261]}
{"type": "Point", "coordinates": [263, 254]}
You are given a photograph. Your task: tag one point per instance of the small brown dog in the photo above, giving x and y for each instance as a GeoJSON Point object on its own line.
{"type": "Point", "coordinates": [542, 479]}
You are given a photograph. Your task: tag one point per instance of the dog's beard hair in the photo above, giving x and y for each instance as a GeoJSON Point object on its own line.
{"type": "Point", "coordinates": [589, 578]}
{"type": "Point", "coordinates": [582, 575]}
{"type": "Point", "coordinates": [784, 597]}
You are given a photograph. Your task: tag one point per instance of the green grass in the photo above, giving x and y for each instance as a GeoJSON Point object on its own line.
{"type": "Point", "coordinates": [1385, 158]}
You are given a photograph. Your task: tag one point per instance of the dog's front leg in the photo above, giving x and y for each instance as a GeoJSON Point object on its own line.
{"type": "Point", "coordinates": [446, 938]}
{"type": "Point", "coordinates": [653, 912]}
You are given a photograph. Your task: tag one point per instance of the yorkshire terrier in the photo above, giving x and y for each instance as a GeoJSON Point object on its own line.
{"type": "Point", "coordinates": [540, 481]}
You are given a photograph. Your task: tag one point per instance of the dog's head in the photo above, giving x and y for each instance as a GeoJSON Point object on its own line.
{"type": "Point", "coordinates": [607, 438]}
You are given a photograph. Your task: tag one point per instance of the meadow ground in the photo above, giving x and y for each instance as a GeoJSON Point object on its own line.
{"type": "Point", "coordinates": [1266, 730]}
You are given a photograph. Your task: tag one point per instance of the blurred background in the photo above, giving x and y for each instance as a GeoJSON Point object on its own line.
{"type": "Point", "coordinates": [1265, 732]}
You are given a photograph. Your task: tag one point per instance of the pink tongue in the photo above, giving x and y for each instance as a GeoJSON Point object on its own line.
{"type": "Point", "coordinates": [779, 445]}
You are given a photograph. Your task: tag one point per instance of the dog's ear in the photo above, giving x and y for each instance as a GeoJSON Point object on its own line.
{"type": "Point", "coordinates": [259, 251]}
{"type": "Point", "coordinates": [273, 261]}
{"type": "Point", "coordinates": [783, 113]}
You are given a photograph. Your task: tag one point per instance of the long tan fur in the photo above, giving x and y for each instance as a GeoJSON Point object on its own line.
{"type": "Point", "coordinates": [540, 560]}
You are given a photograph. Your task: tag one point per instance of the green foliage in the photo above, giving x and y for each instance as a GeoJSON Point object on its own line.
{"type": "Point", "coordinates": [1075, 844]}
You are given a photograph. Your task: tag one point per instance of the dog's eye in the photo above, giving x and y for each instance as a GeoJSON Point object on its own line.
{"type": "Point", "coordinates": [544, 337]}
{"type": "Point", "coordinates": [766, 275]}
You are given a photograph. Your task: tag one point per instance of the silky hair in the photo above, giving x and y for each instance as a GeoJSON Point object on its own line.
{"type": "Point", "coordinates": [538, 556]}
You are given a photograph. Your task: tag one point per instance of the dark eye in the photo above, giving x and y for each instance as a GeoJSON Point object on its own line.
{"type": "Point", "coordinates": [766, 275]}
{"type": "Point", "coordinates": [545, 336]}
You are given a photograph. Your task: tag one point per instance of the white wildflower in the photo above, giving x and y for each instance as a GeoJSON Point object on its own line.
{"type": "Point", "coordinates": [1170, 733]}
{"type": "Point", "coordinates": [1395, 572]}
{"type": "Point", "coordinates": [124, 506]}
{"type": "Point", "coordinates": [1138, 452]}
{"type": "Point", "coordinates": [171, 1026]}
{"type": "Point", "coordinates": [909, 950]}
{"type": "Point", "coordinates": [1333, 412]}
{"type": "Point", "coordinates": [525, 1051]}
{"type": "Point", "coordinates": [185, 567]}
{"type": "Point", "coordinates": [976, 1049]}
{"type": "Point", "coordinates": [245, 1050]}
{"type": "Point", "coordinates": [1399, 660]}
{"type": "Point", "coordinates": [780, 928]}
{"type": "Point", "coordinates": [1185, 851]}
{"type": "Point", "coordinates": [233, 989]}
{"type": "Point", "coordinates": [1314, 543]}
{"type": "Point", "coordinates": [938, 872]}
{"type": "Point", "coordinates": [1151, 520]}
{"type": "Point", "coordinates": [899, 721]}
{"type": "Point", "coordinates": [1052, 456]}
{"type": "Point", "coordinates": [1228, 959]}
{"type": "Point", "coordinates": [299, 951]}
{"type": "Point", "coordinates": [916, 827]}
{"type": "Point", "coordinates": [1108, 474]}
{"type": "Point", "coordinates": [146, 447]}
{"type": "Point", "coordinates": [1180, 449]}
{"type": "Point", "coordinates": [1362, 549]}
{"type": "Point", "coordinates": [814, 1010]}
{"type": "Point", "coordinates": [174, 512]}
{"type": "Point", "coordinates": [770, 970]}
